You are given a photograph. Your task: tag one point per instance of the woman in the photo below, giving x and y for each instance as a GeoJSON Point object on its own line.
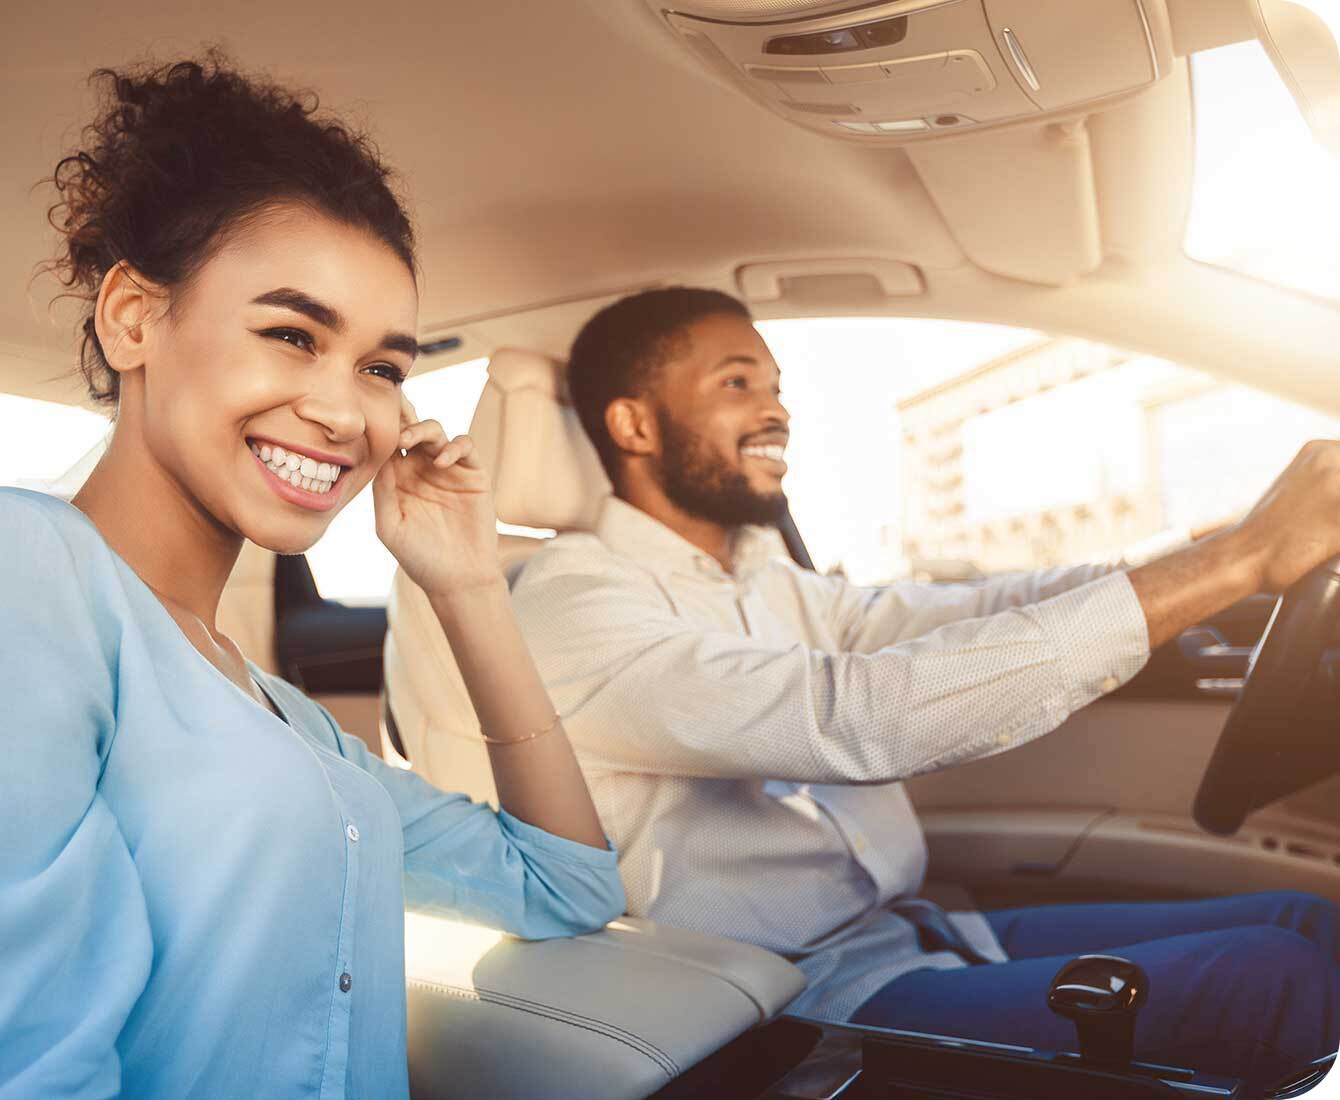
{"type": "Point", "coordinates": [201, 883]}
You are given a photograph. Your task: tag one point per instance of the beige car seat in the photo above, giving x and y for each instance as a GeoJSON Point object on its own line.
{"type": "Point", "coordinates": [546, 476]}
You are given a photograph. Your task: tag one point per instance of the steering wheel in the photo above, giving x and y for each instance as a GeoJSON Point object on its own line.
{"type": "Point", "coordinates": [1280, 735]}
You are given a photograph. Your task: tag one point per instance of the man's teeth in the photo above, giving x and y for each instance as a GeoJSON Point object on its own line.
{"type": "Point", "coordinates": [773, 451]}
{"type": "Point", "coordinates": [298, 470]}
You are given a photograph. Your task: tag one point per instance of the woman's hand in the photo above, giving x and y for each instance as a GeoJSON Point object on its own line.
{"type": "Point", "coordinates": [434, 508]}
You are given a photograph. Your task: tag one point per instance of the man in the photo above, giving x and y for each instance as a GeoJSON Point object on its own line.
{"type": "Point", "coordinates": [743, 723]}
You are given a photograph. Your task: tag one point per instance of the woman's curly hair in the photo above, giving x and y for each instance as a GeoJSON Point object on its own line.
{"type": "Point", "coordinates": [178, 155]}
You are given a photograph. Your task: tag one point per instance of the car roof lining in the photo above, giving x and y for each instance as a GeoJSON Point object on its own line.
{"type": "Point", "coordinates": [557, 155]}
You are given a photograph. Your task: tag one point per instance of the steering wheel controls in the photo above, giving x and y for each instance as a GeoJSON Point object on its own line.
{"type": "Point", "coordinates": [1101, 995]}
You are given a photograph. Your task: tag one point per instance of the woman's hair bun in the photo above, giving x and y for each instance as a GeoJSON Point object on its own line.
{"type": "Point", "coordinates": [181, 153]}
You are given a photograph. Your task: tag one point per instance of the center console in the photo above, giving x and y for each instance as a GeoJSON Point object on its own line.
{"type": "Point", "coordinates": [798, 1059]}
{"type": "Point", "coordinates": [792, 1058]}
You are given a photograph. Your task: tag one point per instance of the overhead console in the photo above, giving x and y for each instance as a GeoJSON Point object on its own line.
{"type": "Point", "coordinates": [905, 71]}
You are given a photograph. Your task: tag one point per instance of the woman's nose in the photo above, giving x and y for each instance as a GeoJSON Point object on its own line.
{"type": "Point", "coordinates": [335, 409]}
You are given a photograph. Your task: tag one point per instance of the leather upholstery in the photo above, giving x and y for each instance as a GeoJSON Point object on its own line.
{"type": "Point", "coordinates": [545, 470]}
{"type": "Point", "coordinates": [433, 713]}
{"type": "Point", "coordinates": [610, 1016]}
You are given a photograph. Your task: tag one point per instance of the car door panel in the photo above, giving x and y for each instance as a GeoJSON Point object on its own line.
{"type": "Point", "coordinates": [1101, 808]}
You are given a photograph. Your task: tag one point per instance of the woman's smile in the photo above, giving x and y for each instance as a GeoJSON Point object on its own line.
{"type": "Point", "coordinates": [303, 478]}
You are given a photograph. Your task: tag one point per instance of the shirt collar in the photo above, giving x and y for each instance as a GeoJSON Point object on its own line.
{"type": "Point", "coordinates": [629, 531]}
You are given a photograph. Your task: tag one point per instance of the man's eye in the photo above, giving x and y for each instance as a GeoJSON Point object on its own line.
{"type": "Point", "coordinates": [738, 382]}
{"type": "Point", "coordinates": [294, 336]}
{"type": "Point", "coordinates": [388, 371]}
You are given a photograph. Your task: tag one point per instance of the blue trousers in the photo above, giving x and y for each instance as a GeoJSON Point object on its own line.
{"type": "Point", "coordinates": [1245, 986]}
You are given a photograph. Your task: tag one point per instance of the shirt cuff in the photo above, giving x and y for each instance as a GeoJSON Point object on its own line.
{"type": "Point", "coordinates": [1101, 636]}
{"type": "Point", "coordinates": [529, 836]}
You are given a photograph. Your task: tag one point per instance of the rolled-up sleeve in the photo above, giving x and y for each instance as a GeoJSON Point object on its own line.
{"type": "Point", "coordinates": [641, 689]}
{"type": "Point", "coordinates": [74, 928]}
{"type": "Point", "coordinates": [464, 859]}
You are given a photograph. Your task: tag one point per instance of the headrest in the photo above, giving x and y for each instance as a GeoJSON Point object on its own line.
{"type": "Point", "coordinates": [545, 470]}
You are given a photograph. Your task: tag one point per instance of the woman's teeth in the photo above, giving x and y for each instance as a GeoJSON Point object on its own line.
{"type": "Point", "coordinates": [298, 470]}
{"type": "Point", "coordinates": [773, 451]}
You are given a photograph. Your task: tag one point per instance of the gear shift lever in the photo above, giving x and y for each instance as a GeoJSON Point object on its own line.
{"type": "Point", "coordinates": [1101, 994]}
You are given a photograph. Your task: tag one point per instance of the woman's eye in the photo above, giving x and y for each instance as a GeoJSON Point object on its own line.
{"type": "Point", "coordinates": [738, 382]}
{"type": "Point", "coordinates": [388, 371]}
{"type": "Point", "coordinates": [294, 336]}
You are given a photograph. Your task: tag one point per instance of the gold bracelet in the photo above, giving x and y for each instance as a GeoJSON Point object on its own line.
{"type": "Point", "coordinates": [518, 740]}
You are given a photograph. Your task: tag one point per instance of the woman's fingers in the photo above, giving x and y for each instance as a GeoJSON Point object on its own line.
{"type": "Point", "coordinates": [425, 433]}
{"type": "Point", "coordinates": [460, 450]}
{"type": "Point", "coordinates": [444, 452]}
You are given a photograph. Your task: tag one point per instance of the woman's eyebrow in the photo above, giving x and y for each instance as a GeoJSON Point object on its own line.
{"type": "Point", "coordinates": [401, 341]}
{"type": "Point", "coordinates": [734, 361]}
{"type": "Point", "coordinates": [286, 297]}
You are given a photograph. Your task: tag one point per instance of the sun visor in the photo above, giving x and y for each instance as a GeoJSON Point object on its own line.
{"type": "Point", "coordinates": [904, 72]}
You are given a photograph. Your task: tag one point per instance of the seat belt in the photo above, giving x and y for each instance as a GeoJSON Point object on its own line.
{"type": "Point", "coordinates": [936, 932]}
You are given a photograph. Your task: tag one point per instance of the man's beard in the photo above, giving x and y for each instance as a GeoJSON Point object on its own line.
{"type": "Point", "coordinates": [698, 480]}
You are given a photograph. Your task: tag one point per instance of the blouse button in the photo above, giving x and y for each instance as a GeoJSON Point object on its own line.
{"type": "Point", "coordinates": [351, 831]}
{"type": "Point", "coordinates": [346, 982]}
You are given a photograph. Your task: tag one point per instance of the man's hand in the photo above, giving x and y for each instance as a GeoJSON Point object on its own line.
{"type": "Point", "coordinates": [1296, 524]}
{"type": "Point", "coordinates": [1292, 529]}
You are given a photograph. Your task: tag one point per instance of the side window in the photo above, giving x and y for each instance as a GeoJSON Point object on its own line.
{"type": "Point", "coordinates": [842, 381]}
{"type": "Point", "coordinates": [42, 440]}
{"type": "Point", "coordinates": [349, 563]}
{"type": "Point", "coordinates": [943, 450]}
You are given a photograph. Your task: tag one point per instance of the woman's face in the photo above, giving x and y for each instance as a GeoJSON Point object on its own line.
{"type": "Point", "coordinates": [270, 392]}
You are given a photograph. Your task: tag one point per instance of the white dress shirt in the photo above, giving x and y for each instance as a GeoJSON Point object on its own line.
{"type": "Point", "coordinates": [743, 733]}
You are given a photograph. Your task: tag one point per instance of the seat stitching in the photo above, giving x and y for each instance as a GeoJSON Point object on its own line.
{"type": "Point", "coordinates": [648, 1047]}
{"type": "Point", "coordinates": [663, 1061]}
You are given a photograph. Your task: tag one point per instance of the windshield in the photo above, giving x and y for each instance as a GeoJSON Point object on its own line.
{"type": "Point", "coordinates": [946, 450]}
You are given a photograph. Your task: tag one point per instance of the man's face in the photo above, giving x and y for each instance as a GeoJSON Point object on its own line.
{"type": "Point", "coordinates": [722, 425]}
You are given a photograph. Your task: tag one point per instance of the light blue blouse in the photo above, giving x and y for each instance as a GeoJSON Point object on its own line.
{"type": "Point", "coordinates": [197, 899]}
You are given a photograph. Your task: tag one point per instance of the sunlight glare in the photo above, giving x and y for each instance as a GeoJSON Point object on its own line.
{"type": "Point", "coordinates": [1264, 196]}
{"type": "Point", "coordinates": [446, 951]}
{"type": "Point", "coordinates": [40, 440]}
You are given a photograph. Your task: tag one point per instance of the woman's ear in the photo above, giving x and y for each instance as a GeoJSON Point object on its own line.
{"type": "Point", "coordinates": [127, 306]}
{"type": "Point", "coordinates": [632, 426]}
